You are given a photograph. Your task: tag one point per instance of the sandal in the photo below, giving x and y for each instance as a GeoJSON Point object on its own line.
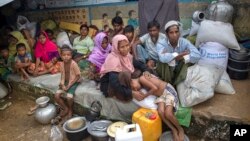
{"type": "Point", "coordinates": [56, 120]}
{"type": "Point", "coordinates": [5, 106]}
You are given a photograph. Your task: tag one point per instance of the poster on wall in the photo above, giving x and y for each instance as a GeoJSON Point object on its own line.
{"type": "Point", "coordinates": [72, 15]}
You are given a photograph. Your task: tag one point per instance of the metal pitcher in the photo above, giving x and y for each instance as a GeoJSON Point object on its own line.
{"type": "Point", "coordinates": [220, 10]}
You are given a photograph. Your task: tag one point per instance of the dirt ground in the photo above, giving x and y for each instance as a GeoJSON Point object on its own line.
{"type": "Point", "coordinates": [16, 125]}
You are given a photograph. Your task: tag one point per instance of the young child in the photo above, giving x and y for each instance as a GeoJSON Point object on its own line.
{"type": "Point", "coordinates": [118, 13]}
{"type": "Point", "coordinates": [105, 20]}
{"type": "Point", "coordinates": [23, 60]}
{"type": "Point", "coordinates": [97, 57]}
{"type": "Point", "coordinates": [132, 36]}
{"type": "Point", "coordinates": [6, 65]}
{"type": "Point", "coordinates": [69, 81]}
{"type": "Point", "coordinates": [132, 19]}
{"type": "Point", "coordinates": [167, 98]}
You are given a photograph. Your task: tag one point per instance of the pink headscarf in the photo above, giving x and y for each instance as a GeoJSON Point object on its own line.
{"type": "Point", "coordinates": [115, 61]}
{"type": "Point", "coordinates": [99, 54]}
{"type": "Point", "coordinates": [46, 51]}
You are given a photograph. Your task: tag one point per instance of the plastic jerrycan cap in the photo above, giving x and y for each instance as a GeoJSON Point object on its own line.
{"type": "Point", "coordinates": [151, 115]}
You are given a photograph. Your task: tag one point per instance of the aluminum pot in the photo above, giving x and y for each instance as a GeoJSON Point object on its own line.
{"type": "Point", "coordinates": [241, 55]}
{"type": "Point", "coordinates": [45, 112]}
{"type": "Point", "coordinates": [98, 130]}
{"type": "Point", "coordinates": [220, 10]}
{"type": "Point", "coordinates": [240, 65]}
{"type": "Point", "coordinates": [167, 136]}
{"type": "Point", "coordinates": [78, 134]}
{"type": "Point", "coordinates": [94, 112]}
{"type": "Point", "coordinates": [198, 16]}
{"type": "Point", "coordinates": [237, 74]}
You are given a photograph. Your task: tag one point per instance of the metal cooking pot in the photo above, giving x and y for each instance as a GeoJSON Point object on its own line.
{"type": "Point", "coordinates": [94, 112]}
{"type": "Point", "coordinates": [198, 16]}
{"type": "Point", "coordinates": [45, 112]}
{"type": "Point", "coordinates": [220, 10]}
{"type": "Point", "coordinates": [98, 130]}
{"type": "Point", "coordinates": [241, 55]}
{"type": "Point", "coordinates": [80, 133]}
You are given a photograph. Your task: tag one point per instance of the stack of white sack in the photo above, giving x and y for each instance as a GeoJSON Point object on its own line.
{"type": "Point", "coordinates": [199, 84]}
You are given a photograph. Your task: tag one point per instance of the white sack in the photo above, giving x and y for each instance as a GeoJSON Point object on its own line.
{"type": "Point", "coordinates": [199, 84]}
{"type": "Point", "coordinates": [213, 53]}
{"type": "Point", "coordinates": [3, 91]}
{"type": "Point", "coordinates": [62, 38]}
{"type": "Point", "coordinates": [224, 86]}
{"type": "Point", "coordinates": [194, 28]}
{"type": "Point", "coordinates": [215, 31]}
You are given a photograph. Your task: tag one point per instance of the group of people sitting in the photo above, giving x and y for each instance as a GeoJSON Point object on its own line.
{"type": "Point", "coordinates": [123, 62]}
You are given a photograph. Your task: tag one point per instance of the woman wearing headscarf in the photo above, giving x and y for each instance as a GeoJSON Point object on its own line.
{"type": "Point", "coordinates": [15, 38]}
{"type": "Point", "coordinates": [119, 60]}
{"type": "Point", "coordinates": [101, 50]}
{"type": "Point", "coordinates": [46, 55]}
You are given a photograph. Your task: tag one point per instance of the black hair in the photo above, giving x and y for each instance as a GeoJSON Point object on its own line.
{"type": "Point", "coordinates": [130, 12]}
{"type": "Point", "coordinates": [66, 48]}
{"type": "Point", "coordinates": [105, 26]}
{"type": "Point", "coordinates": [9, 28]}
{"type": "Point", "coordinates": [167, 30]}
{"type": "Point", "coordinates": [84, 25]}
{"type": "Point", "coordinates": [153, 23]}
{"type": "Point", "coordinates": [117, 13]}
{"type": "Point", "coordinates": [49, 31]}
{"type": "Point", "coordinates": [128, 28]}
{"type": "Point", "coordinates": [4, 48]}
{"type": "Point", "coordinates": [117, 20]}
{"type": "Point", "coordinates": [104, 15]}
{"type": "Point", "coordinates": [20, 45]}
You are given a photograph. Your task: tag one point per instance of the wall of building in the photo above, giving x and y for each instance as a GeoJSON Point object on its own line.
{"type": "Point", "coordinates": [93, 13]}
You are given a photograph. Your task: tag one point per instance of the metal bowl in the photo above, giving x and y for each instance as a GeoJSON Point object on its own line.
{"type": "Point", "coordinates": [98, 130]}
{"type": "Point", "coordinates": [42, 101]}
{"type": "Point", "coordinates": [167, 136]}
{"type": "Point", "coordinates": [75, 123]}
{"type": "Point", "coordinates": [77, 134]}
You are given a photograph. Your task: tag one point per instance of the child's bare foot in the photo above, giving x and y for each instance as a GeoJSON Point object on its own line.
{"type": "Point", "coordinates": [69, 114]}
{"type": "Point", "coordinates": [181, 134]}
{"type": "Point", "coordinates": [64, 112]}
{"type": "Point", "coordinates": [175, 136]}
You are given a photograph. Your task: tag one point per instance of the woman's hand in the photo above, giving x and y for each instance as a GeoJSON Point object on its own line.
{"type": "Point", "coordinates": [138, 95]}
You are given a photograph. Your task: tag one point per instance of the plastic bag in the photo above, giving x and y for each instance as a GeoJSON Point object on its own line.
{"type": "Point", "coordinates": [56, 134]}
{"type": "Point", "coordinates": [22, 22]}
{"type": "Point", "coordinates": [3, 91]}
{"type": "Point", "coordinates": [183, 115]}
{"type": "Point", "coordinates": [148, 102]}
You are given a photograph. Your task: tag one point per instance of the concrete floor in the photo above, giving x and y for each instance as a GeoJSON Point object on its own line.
{"type": "Point", "coordinates": [17, 126]}
{"type": "Point", "coordinates": [228, 107]}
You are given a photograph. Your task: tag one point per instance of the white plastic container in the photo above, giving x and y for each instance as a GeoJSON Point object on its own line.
{"type": "Point", "coordinates": [130, 132]}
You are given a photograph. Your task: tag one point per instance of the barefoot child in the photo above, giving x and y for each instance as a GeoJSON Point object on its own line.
{"type": "Point", "coordinates": [70, 76]}
{"type": "Point", "coordinates": [23, 60]}
{"type": "Point", "coordinates": [167, 99]}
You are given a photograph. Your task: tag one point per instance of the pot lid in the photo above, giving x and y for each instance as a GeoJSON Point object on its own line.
{"type": "Point", "coordinates": [113, 127]}
{"type": "Point", "coordinates": [99, 128]}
